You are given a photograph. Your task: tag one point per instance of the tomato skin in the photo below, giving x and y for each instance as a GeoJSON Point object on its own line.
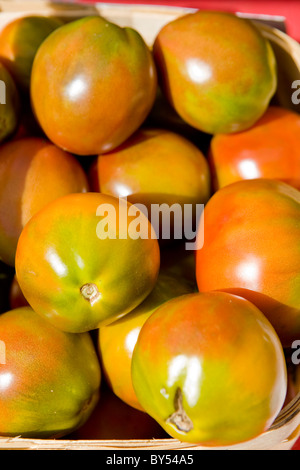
{"type": "Point", "coordinates": [251, 248]}
{"type": "Point", "coordinates": [19, 42]}
{"type": "Point", "coordinates": [180, 168]}
{"type": "Point", "coordinates": [33, 172]}
{"type": "Point", "coordinates": [10, 110]}
{"type": "Point", "coordinates": [210, 369]}
{"type": "Point", "coordinates": [77, 277]}
{"type": "Point", "coordinates": [49, 380]}
{"type": "Point", "coordinates": [268, 149]}
{"type": "Point", "coordinates": [216, 69]}
{"type": "Point", "coordinates": [107, 92]}
{"type": "Point", "coordinates": [116, 341]}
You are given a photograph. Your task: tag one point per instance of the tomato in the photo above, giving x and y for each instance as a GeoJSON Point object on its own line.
{"type": "Point", "coordinates": [9, 105]}
{"type": "Point", "coordinates": [80, 264]}
{"type": "Point", "coordinates": [210, 369]}
{"type": "Point", "coordinates": [161, 170]}
{"type": "Point", "coordinates": [216, 69]}
{"type": "Point", "coordinates": [116, 341]}
{"type": "Point", "coordinates": [268, 149]}
{"type": "Point", "coordinates": [114, 419]}
{"type": "Point", "coordinates": [252, 249]}
{"type": "Point", "coordinates": [33, 172]}
{"type": "Point", "coordinates": [19, 41]}
{"type": "Point", "coordinates": [91, 102]}
{"type": "Point", "coordinates": [180, 168]}
{"type": "Point", "coordinates": [49, 379]}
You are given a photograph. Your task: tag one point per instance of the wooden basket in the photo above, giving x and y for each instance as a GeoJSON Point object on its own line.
{"type": "Point", "coordinates": [148, 20]}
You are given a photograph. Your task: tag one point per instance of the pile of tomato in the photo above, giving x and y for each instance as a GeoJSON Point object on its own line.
{"type": "Point", "coordinates": [109, 328]}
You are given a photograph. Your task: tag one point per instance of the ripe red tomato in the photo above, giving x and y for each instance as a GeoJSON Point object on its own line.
{"type": "Point", "coordinates": [252, 249]}
{"type": "Point", "coordinates": [268, 149]}
{"type": "Point", "coordinates": [92, 85]}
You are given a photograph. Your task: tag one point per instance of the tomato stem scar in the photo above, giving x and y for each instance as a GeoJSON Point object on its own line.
{"type": "Point", "coordinates": [179, 417]}
{"type": "Point", "coordinates": [90, 292]}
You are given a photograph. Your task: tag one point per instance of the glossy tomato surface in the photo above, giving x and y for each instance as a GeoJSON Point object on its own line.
{"type": "Point", "coordinates": [216, 69]}
{"type": "Point", "coordinates": [252, 248]}
{"type": "Point", "coordinates": [268, 149]}
{"type": "Point", "coordinates": [19, 42]}
{"type": "Point", "coordinates": [210, 369]}
{"type": "Point", "coordinates": [155, 166]}
{"type": "Point", "coordinates": [116, 341]}
{"type": "Point", "coordinates": [92, 85]}
{"type": "Point", "coordinates": [49, 379]}
{"type": "Point", "coordinates": [33, 172]}
{"type": "Point", "coordinates": [81, 264]}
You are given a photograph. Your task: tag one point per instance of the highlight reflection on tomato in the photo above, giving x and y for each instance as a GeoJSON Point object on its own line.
{"type": "Point", "coordinates": [210, 369]}
{"type": "Point", "coordinates": [116, 341]}
{"type": "Point", "coordinates": [155, 166]}
{"type": "Point", "coordinates": [216, 69]}
{"type": "Point", "coordinates": [252, 249]}
{"type": "Point", "coordinates": [268, 149]}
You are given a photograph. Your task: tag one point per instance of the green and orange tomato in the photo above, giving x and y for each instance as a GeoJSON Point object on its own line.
{"type": "Point", "coordinates": [210, 369]}
{"type": "Point", "coordinates": [154, 166]}
{"type": "Point", "coordinates": [93, 84]}
{"type": "Point", "coordinates": [216, 69]}
{"type": "Point", "coordinates": [81, 264]}
{"type": "Point", "coordinates": [49, 379]}
{"type": "Point", "coordinates": [33, 172]}
{"type": "Point", "coordinates": [19, 42]}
